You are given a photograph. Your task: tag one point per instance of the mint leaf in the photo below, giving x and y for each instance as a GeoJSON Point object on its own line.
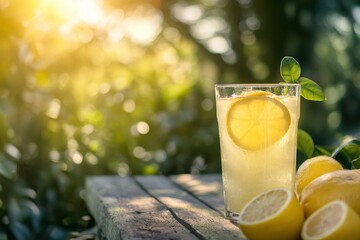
{"type": "Point", "coordinates": [290, 69]}
{"type": "Point", "coordinates": [305, 143]}
{"type": "Point", "coordinates": [310, 90]}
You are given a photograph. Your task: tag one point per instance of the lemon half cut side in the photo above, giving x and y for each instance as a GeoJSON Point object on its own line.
{"type": "Point", "coordinates": [335, 220]}
{"type": "Point", "coordinates": [267, 214]}
{"type": "Point", "coordinates": [257, 120]}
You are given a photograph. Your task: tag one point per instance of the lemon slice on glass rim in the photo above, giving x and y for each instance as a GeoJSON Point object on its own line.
{"type": "Point", "coordinates": [256, 120]}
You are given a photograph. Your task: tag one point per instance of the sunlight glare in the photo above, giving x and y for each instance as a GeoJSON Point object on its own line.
{"type": "Point", "coordinates": [87, 11]}
{"type": "Point", "coordinates": [90, 10]}
{"type": "Point", "coordinates": [218, 45]}
{"type": "Point", "coordinates": [187, 13]}
{"type": "Point", "coordinates": [143, 30]}
{"type": "Point", "coordinates": [209, 27]}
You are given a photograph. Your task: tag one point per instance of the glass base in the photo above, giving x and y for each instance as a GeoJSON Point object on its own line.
{"type": "Point", "coordinates": [234, 217]}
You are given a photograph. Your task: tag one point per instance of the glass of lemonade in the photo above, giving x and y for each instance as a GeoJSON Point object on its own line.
{"type": "Point", "coordinates": [258, 134]}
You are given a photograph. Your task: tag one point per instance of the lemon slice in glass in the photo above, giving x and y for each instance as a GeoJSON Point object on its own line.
{"type": "Point", "coordinates": [274, 214]}
{"type": "Point", "coordinates": [256, 120]}
{"type": "Point", "coordinates": [335, 220]}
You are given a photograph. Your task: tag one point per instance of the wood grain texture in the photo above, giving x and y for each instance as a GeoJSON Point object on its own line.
{"type": "Point", "coordinates": [206, 222]}
{"type": "Point", "coordinates": [123, 210]}
{"type": "Point", "coordinates": [159, 207]}
{"type": "Point", "coordinates": [208, 188]}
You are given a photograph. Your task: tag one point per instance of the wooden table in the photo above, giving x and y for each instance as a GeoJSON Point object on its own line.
{"type": "Point", "coordinates": [159, 207]}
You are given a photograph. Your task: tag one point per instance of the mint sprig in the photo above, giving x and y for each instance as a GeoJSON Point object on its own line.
{"type": "Point", "coordinates": [290, 72]}
{"type": "Point", "coordinates": [349, 153]}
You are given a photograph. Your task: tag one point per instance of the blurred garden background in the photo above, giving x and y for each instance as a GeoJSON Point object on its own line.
{"type": "Point", "coordinates": [127, 87]}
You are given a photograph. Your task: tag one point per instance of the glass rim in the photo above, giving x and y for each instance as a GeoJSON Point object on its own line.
{"type": "Point", "coordinates": [235, 85]}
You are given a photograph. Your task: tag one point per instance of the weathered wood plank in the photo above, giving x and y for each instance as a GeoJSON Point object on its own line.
{"type": "Point", "coordinates": [208, 223]}
{"type": "Point", "coordinates": [123, 210]}
{"type": "Point", "coordinates": [207, 187]}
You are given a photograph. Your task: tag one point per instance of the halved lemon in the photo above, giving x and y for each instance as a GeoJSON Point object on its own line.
{"type": "Point", "coordinates": [274, 214]}
{"type": "Point", "coordinates": [256, 120]}
{"type": "Point", "coordinates": [336, 220]}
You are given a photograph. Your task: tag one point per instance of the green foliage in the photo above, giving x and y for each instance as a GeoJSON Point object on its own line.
{"type": "Point", "coordinates": [130, 90]}
{"type": "Point", "coordinates": [79, 101]}
{"type": "Point", "coordinates": [348, 154]}
{"type": "Point", "coordinates": [7, 167]}
{"type": "Point", "coordinates": [305, 143]}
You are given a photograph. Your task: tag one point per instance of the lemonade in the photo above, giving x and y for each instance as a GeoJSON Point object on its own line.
{"type": "Point", "coordinates": [258, 133]}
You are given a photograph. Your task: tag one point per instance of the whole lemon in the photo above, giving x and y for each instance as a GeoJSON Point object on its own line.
{"type": "Point", "coordinates": [338, 185]}
{"type": "Point", "coordinates": [313, 168]}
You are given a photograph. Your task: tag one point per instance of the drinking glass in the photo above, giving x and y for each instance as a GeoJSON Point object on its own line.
{"type": "Point", "coordinates": [258, 135]}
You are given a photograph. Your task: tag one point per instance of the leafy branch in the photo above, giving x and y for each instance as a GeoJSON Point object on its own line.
{"type": "Point", "coordinates": [349, 152]}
